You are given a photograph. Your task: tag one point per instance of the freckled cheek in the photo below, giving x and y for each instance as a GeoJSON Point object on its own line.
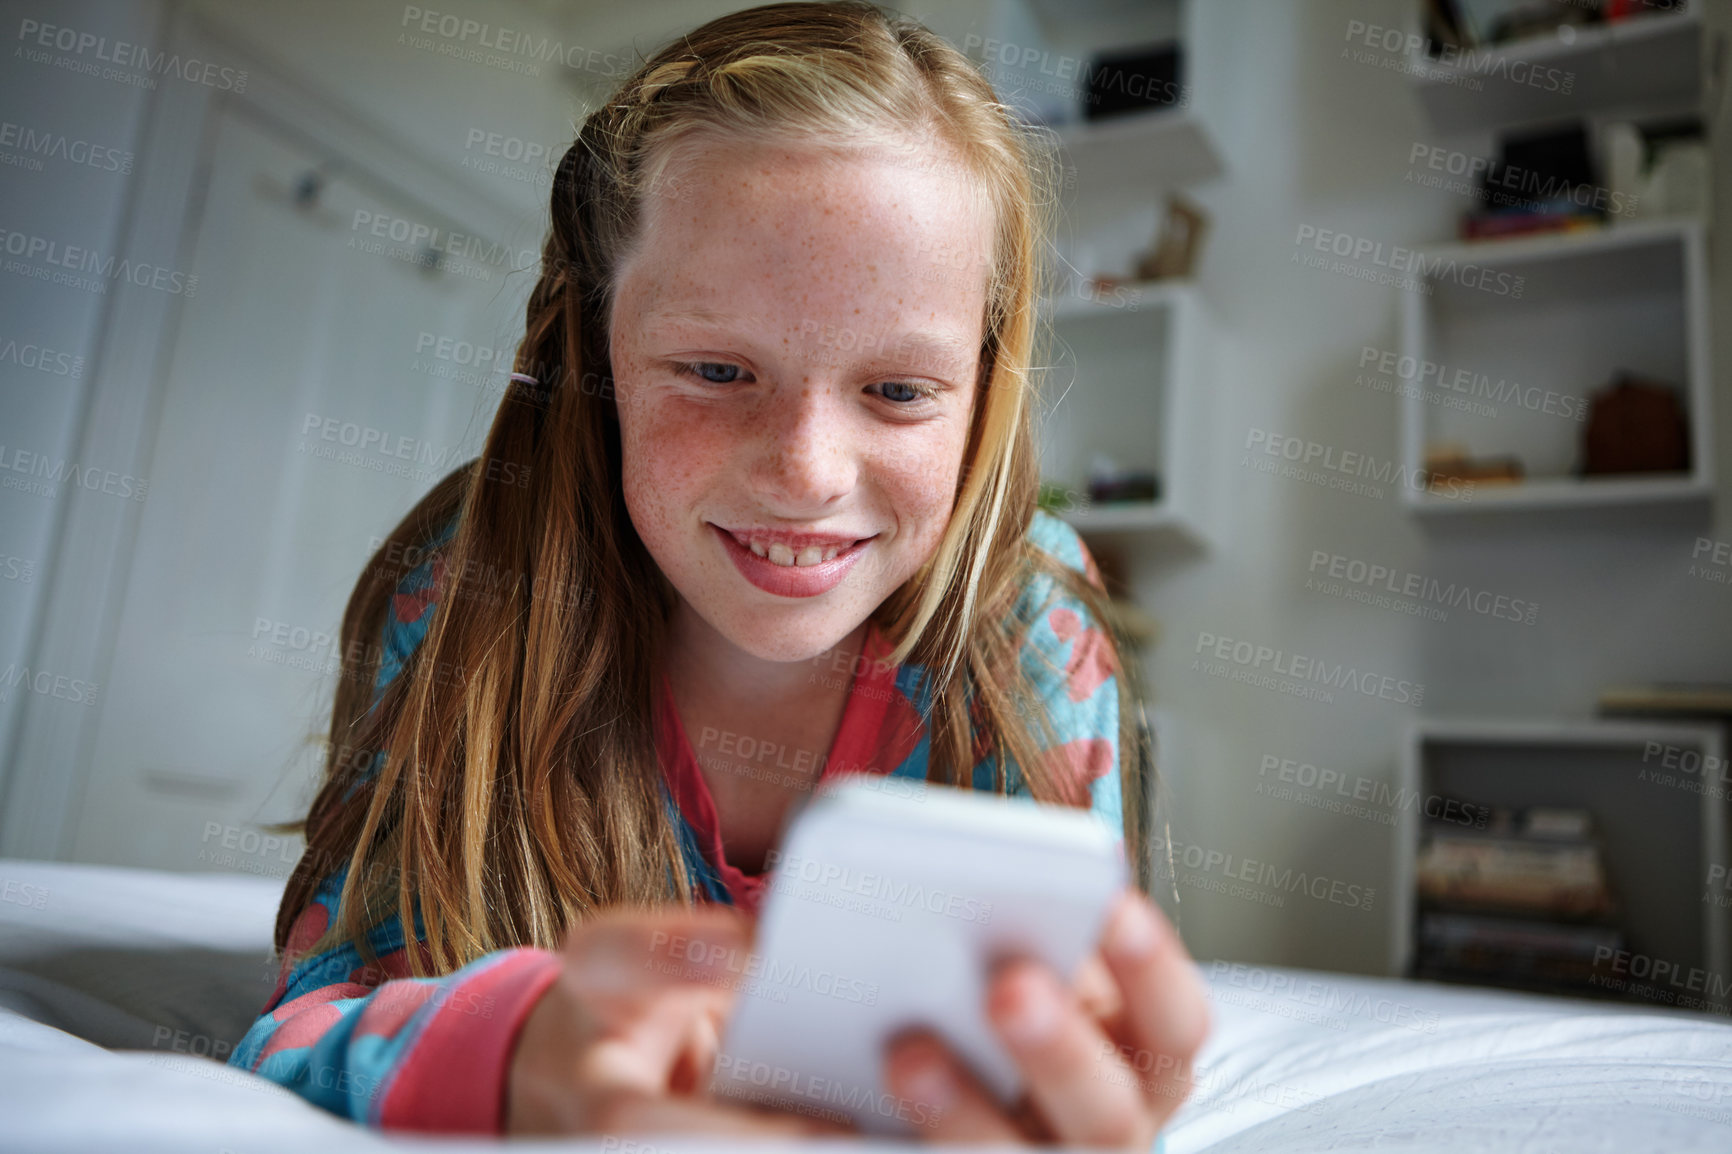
{"type": "Point", "coordinates": [921, 496]}
{"type": "Point", "coordinates": [671, 459]}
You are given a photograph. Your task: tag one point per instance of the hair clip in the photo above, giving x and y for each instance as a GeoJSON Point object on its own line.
{"type": "Point", "coordinates": [526, 379]}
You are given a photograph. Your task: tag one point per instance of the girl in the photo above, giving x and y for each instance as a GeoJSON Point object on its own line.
{"type": "Point", "coordinates": [764, 477]}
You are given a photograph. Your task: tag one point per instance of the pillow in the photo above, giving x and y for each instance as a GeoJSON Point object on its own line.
{"type": "Point", "coordinates": [137, 959]}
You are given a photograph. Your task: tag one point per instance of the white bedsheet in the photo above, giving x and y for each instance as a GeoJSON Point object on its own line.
{"type": "Point", "coordinates": [168, 966]}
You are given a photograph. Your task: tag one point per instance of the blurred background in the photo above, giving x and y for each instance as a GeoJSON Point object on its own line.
{"type": "Point", "coordinates": [1386, 378]}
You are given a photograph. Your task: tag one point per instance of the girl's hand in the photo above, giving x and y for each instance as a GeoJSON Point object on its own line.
{"type": "Point", "coordinates": [1106, 1061]}
{"type": "Point", "coordinates": [625, 1038]}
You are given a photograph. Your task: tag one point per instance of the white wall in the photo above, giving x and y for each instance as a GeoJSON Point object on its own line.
{"type": "Point", "coordinates": [69, 204]}
{"type": "Point", "coordinates": [345, 61]}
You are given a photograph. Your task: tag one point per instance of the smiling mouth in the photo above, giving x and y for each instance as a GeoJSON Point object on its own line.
{"type": "Point", "coordinates": [799, 555]}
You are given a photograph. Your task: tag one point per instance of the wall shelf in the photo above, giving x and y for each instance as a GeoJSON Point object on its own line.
{"type": "Point", "coordinates": [1662, 829]}
{"type": "Point", "coordinates": [1145, 152]}
{"type": "Point", "coordinates": [1131, 297]}
{"type": "Point", "coordinates": [1124, 517]}
{"type": "Point", "coordinates": [1516, 367]}
{"type": "Point", "coordinates": [1645, 66]}
{"type": "Point", "coordinates": [1588, 492]}
{"type": "Point", "coordinates": [1128, 379]}
{"type": "Point", "coordinates": [1632, 235]}
{"type": "Point", "coordinates": [1125, 367]}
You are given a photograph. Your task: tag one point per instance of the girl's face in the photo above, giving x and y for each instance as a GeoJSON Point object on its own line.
{"type": "Point", "coordinates": [795, 341]}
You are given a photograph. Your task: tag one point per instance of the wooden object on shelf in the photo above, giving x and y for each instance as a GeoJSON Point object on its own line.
{"type": "Point", "coordinates": [1635, 426]}
{"type": "Point", "coordinates": [1443, 462]}
{"type": "Point", "coordinates": [1180, 244]}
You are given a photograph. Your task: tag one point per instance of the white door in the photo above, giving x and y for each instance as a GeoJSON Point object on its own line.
{"type": "Point", "coordinates": [306, 409]}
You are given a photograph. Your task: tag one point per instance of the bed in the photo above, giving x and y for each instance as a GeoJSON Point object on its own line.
{"type": "Point", "coordinates": [121, 991]}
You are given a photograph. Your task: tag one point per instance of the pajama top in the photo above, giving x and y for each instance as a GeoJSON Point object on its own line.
{"type": "Point", "coordinates": [376, 1045]}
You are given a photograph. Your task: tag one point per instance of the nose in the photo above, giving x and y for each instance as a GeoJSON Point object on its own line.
{"type": "Point", "coordinates": [804, 461]}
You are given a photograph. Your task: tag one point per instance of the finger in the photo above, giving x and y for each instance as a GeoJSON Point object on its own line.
{"type": "Point", "coordinates": [658, 1048]}
{"type": "Point", "coordinates": [631, 950]}
{"type": "Point", "coordinates": [1166, 1007]}
{"type": "Point", "coordinates": [575, 1055]}
{"type": "Point", "coordinates": [1097, 991]}
{"type": "Point", "coordinates": [1076, 1078]}
{"type": "Point", "coordinates": [635, 985]}
{"type": "Point", "coordinates": [697, 1060]}
{"type": "Point", "coordinates": [945, 1101]}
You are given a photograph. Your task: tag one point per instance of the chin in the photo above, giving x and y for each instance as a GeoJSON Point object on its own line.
{"type": "Point", "coordinates": [770, 640]}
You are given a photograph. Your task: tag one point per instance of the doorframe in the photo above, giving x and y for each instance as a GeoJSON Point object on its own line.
{"type": "Point", "coordinates": [86, 573]}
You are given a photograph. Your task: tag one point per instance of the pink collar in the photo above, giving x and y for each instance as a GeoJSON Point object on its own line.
{"type": "Point", "coordinates": [879, 729]}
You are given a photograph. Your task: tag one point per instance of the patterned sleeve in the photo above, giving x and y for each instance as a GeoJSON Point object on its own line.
{"type": "Point", "coordinates": [410, 613]}
{"type": "Point", "coordinates": [1069, 661]}
{"type": "Point", "coordinates": [370, 1042]}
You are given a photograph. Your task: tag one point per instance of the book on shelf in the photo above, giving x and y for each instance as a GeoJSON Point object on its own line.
{"type": "Point", "coordinates": [1524, 901]}
{"type": "Point", "coordinates": [1545, 180]}
{"type": "Point", "coordinates": [1562, 879]}
{"type": "Point", "coordinates": [1502, 224]}
{"type": "Point", "coordinates": [1491, 948]}
{"type": "Point", "coordinates": [1679, 699]}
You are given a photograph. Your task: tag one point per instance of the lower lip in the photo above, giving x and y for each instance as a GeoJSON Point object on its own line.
{"type": "Point", "coordinates": [791, 580]}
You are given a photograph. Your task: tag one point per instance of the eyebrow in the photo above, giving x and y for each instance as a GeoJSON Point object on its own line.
{"type": "Point", "coordinates": [919, 342]}
{"type": "Point", "coordinates": [700, 316]}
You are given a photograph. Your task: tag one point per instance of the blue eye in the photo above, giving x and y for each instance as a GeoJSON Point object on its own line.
{"type": "Point", "coordinates": [728, 373]}
{"type": "Point", "coordinates": [903, 392]}
{"type": "Point", "coordinates": [724, 373]}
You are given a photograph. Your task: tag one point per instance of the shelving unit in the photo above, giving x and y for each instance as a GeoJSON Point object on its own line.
{"type": "Point", "coordinates": [1127, 367]}
{"type": "Point", "coordinates": [1128, 380]}
{"type": "Point", "coordinates": [1169, 148]}
{"type": "Point", "coordinates": [1633, 297]}
{"type": "Point", "coordinates": [1661, 835]}
{"type": "Point", "coordinates": [1646, 66]}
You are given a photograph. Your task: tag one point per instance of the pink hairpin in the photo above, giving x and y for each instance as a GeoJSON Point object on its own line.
{"type": "Point", "coordinates": [525, 378]}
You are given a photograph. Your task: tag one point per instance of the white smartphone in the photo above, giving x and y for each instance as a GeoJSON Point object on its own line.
{"type": "Point", "coordinates": [889, 902]}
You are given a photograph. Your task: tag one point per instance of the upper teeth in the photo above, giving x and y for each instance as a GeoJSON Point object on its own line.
{"type": "Point", "coordinates": [780, 554]}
